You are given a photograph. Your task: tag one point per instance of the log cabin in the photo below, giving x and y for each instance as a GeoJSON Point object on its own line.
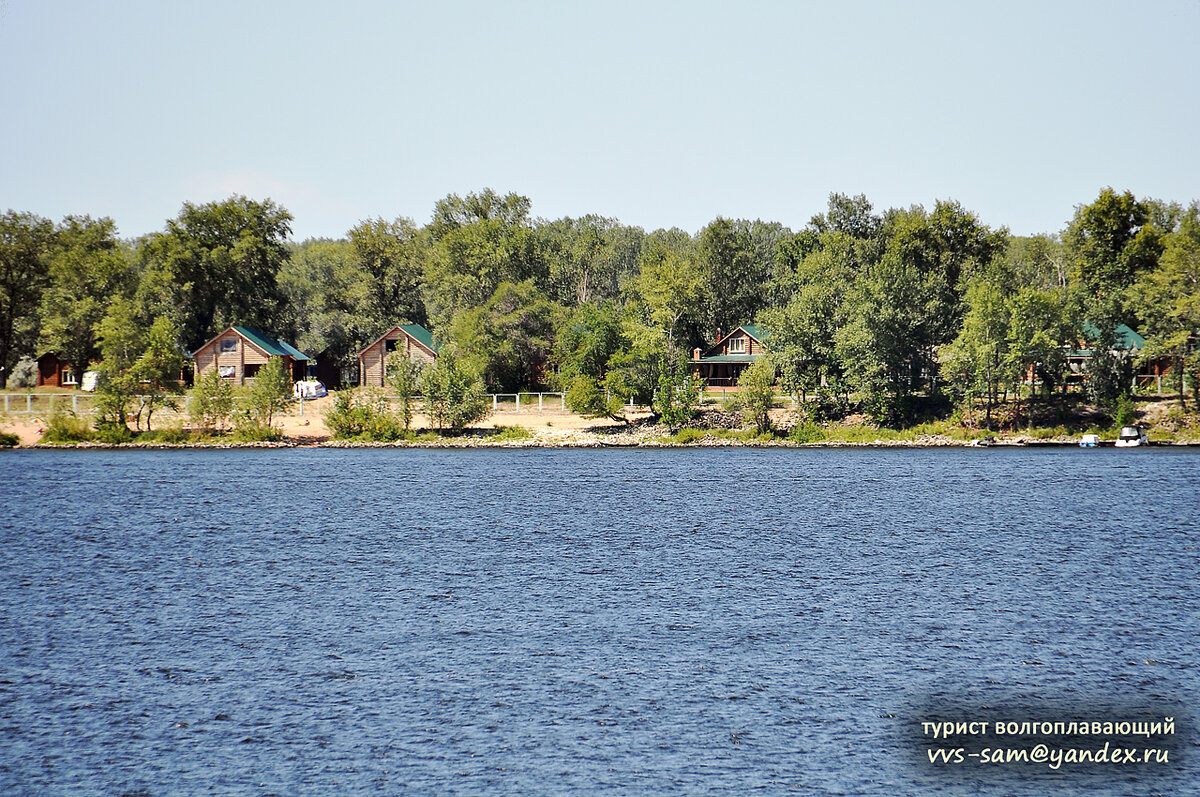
{"type": "Point", "coordinates": [414, 340]}
{"type": "Point", "coordinates": [239, 352]}
{"type": "Point", "coordinates": [722, 363]}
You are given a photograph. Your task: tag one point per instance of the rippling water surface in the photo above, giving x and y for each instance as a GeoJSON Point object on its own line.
{"type": "Point", "coordinates": [689, 621]}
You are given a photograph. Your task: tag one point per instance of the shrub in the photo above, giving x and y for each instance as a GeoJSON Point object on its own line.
{"type": "Point", "coordinates": [9, 440]}
{"type": "Point", "coordinates": [247, 430]}
{"type": "Point", "coordinates": [24, 374]}
{"type": "Point", "coordinates": [210, 403]}
{"type": "Point", "coordinates": [677, 397]}
{"type": "Point", "coordinates": [806, 433]}
{"type": "Point", "coordinates": [454, 394]}
{"type": "Point", "coordinates": [511, 434]}
{"type": "Point", "coordinates": [688, 435]}
{"type": "Point", "coordinates": [172, 434]}
{"type": "Point", "coordinates": [67, 428]}
{"type": "Point", "coordinates": [1125, 413]}
{"type": "Point", "coordinates": [114, 432]}
{"type": "Point", "coordinates": [757, 394]}
{"type": "Point", "coordinates": [270, 392]}
{"type": "Point", "coordinates": [365, 415]}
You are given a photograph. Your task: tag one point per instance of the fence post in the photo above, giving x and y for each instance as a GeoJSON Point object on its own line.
{"type": "Point", "coordinates": [6, 402]}
{"type": "Point", "coordinates": [518, 401]}
{"type": "Point", "coordinates": [540, 397]}
{"type": "Point", "coordinates": [29, 403]}
{"type": "Point", "coordinates": [75, 404]}
{"type": "Point", "coordinates": [493, 402]}
{"type": "Point", "coordinates": [562, 398]}
{"type": "Point", "coordinates": [52, 403]}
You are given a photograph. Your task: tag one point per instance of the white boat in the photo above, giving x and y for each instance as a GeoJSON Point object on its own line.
{"type": "Point", "coordinates": [1132, 436]}
{"type": "Point", "coordinates": [309, 389]}
{"type": "Point", "coordinates": [1089, 441]}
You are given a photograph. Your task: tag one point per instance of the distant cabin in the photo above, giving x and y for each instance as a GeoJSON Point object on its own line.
{"type": "Point", "coordinates": [55, 372]}
{"type": "Point", "coordinates": [722, 363]}
{"type": "Point", "coordinates": [239, 352]}
{"type": "Point", "coordinates": [414, 340]}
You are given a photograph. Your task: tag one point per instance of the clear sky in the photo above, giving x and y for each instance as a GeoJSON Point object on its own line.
{"type": "Point", "coordinates": [659, 114]}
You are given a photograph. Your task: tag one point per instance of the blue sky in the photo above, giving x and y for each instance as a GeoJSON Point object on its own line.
{"type": "Point", "coordinates": [659, 114]}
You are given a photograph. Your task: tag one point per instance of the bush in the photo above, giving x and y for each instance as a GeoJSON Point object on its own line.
{"type": "Point", "coordinates": [1125, 413]}
{"type": "Point", "coordinates": [454, 394]}
{"type": "Point", "coordinates": [511, 434]}
{"type": "Point", "coordinates": [172, 434]}
{"type": "Point", "coordinates": [687, 435]}
{"type": "Point", "coordinates": [9, 440]}
{"type": "Point", "coordinates": [757, 394]}
{"type": "Point", "coordinates": [250, 431]}
{"type": "Point", "coordinates": [806, 433]}
{"type": "Point", "coordinates": [114, 432]}
{"type": "Point", "coordinates": [365, 415]}
{"type": "Point", "coordinates": [210, 403]}
{"type": "Point", "coordinates": [24, 374]}
{"type": "Point", "coordinates": [677, 397]}
{"type": "Point", "coordinates": [67, 428]}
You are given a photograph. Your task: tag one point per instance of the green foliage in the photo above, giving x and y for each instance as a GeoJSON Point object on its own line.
{"type": "Point", "coordinates": [688, 435]}
{"type": "Point", "coordinates": [24, 374]}
{"type": "Point", "coordinates": [756, 396]}
{"type": "Point", "coordinates": [270, 392]}
{"type": "Point", "coordinates": [1125, 413]}
{"type": "Point", "coordinates": [807, 433]}
{"type": "Point", "coordinates": [89, 269]}
{"type": "Point", "coordinates": [26, 244]}
{"type": "Point", "coordinates": [454, 394]}
{"type": "Point", "coordinates": [112, 432]}
{"type": "Point", "coordinates": [403, 375]}
{"type": "Point", "coordinates": [210, 402]}
{"type": "Point", "coordinates": [216, 265]}
{"type": "Point", "coordinates": [508, 339]}
{"type": "Point", "coordinates": [170, 435]}
{"type": "Point", "coordinates": [586, 339]}
{"type": "Point", "coordinates": [590, 399]}
{"type": "Point", "coordinates": [364, 414]}
{"type": "Point", "coordinates": [158, 369]}
{"type": "Point", "coordinates": [247, 430]}
{"type": "Point", "coordinates": [511, 434]}
{"type": "Point", "coordinates": [678, 396]}
{"type": "Point", "coordinates": [9, 440]}
{"type": "Point", "coordinates": [67, 428]}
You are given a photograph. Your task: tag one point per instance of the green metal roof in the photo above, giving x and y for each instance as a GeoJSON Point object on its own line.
{"type": "Point", "coordinates": [756, 331]}
{"type": "Point", "coordinates": [272, 346]}
{"type": "Point", "coordinates": [1126, 337]}
{"type": "Point", "coordinates": [421, 335]}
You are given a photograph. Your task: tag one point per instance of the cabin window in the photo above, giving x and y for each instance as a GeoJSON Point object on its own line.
{"type": "Point", "coordinates": [389, 346]}
{"type": "Point", "coordinates": [228, 345]}
{"type": "Point", "coordinates": [68, 377]}
{"type": "Point", "coordinates": [227, 371]}
{"type": "Point", "coordinates": [250, 370]}
{"type": "Point", "coordinates": [737, 345]}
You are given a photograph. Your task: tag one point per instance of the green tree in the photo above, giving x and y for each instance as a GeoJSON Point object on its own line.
{"type": "Point", "coordinates": [391, 255]}
{"type": "Point", "coordinates": [978, 359]}
{"type": "Point", "coordinates": [270, 392]}
{"type": "Point", "coordinates": [508, 340]}
{"type": "Point", "coordinates": [404, 377]}
{"type": "Point", "coordinates": [589, 260]}
{"type": "Point", "coordinates": [158, 369]}
{"type": "Point", "coordinates": [210, 402]}
{"type": "Point", "coordinates": [479, 242]}
{"type": "Point", "coordinates": [88, 269]}
{"type": "Point", "coordinates": [668, 287]}
{"type": "Point", "coordinates": [216, 265]}
{"type": "Point", "coordinates": [121, 338]}
{"type": "Point", "coordinates": [591, 398]}
{"type": "Point", "coordinates": [26, 243]}
{"type": "Point", "coordinates": [1169, 298]}
{"type": "Point", "coordinates": [585, 340]}
{"type": "Point", "coordinates": [756, 394]}
{"type": "Point", "coordinates": [454, 394]}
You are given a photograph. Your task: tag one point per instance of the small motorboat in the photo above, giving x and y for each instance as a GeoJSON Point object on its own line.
{"type": "Point", "coordinates": [1132, 436]}
{"type": "Point", "coordinates": [309, 389]}
{"type": "Point", "coordinates": [1089, 441]}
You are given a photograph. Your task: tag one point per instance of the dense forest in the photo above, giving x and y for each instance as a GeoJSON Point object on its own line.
{"type": "Point", "coordinates": [875, 309]}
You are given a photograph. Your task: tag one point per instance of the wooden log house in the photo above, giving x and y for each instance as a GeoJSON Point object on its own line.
{"type": "Point", "coordinates": [239, 352]}
{"type": "Point", "coordinates": [721, 364]}
{"type": "Point", "coordinates": [414, 340]}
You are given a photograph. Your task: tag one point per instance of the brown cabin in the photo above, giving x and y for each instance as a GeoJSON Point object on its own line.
{"type": "Point", "coordinates": [414, 340]}
{"type": "Point", "coordinates": [722, 363]}
{"type": "Point", "coordinates": [54, 372]}
{"type": "Point", "coordinates": [239, 352]}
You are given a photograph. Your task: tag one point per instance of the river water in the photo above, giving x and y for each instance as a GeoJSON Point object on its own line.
{"type": "Point", "coordinates": [404, 621]}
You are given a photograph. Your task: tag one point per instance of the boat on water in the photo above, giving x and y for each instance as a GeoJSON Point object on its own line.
{"type": "Point", "coordinates": [1089, 441]}
{"type": "Point", "coordinates": [1132, 436]}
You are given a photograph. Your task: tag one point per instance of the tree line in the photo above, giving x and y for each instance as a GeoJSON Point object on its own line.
{"type": "Point", "coordinates": [876, 309]}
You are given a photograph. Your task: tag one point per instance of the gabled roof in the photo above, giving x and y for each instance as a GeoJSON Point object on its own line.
{"type": "Point", "coordinates": [272, 347]}
{"type": "Point", "coordinates": [1126, 338]}
{"type": "Point", "coordinates": [421, 335]}
{"type": "Point", "coordinates": [415, 331]}
{"type": "Point", "coordinates": [754, 331]}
